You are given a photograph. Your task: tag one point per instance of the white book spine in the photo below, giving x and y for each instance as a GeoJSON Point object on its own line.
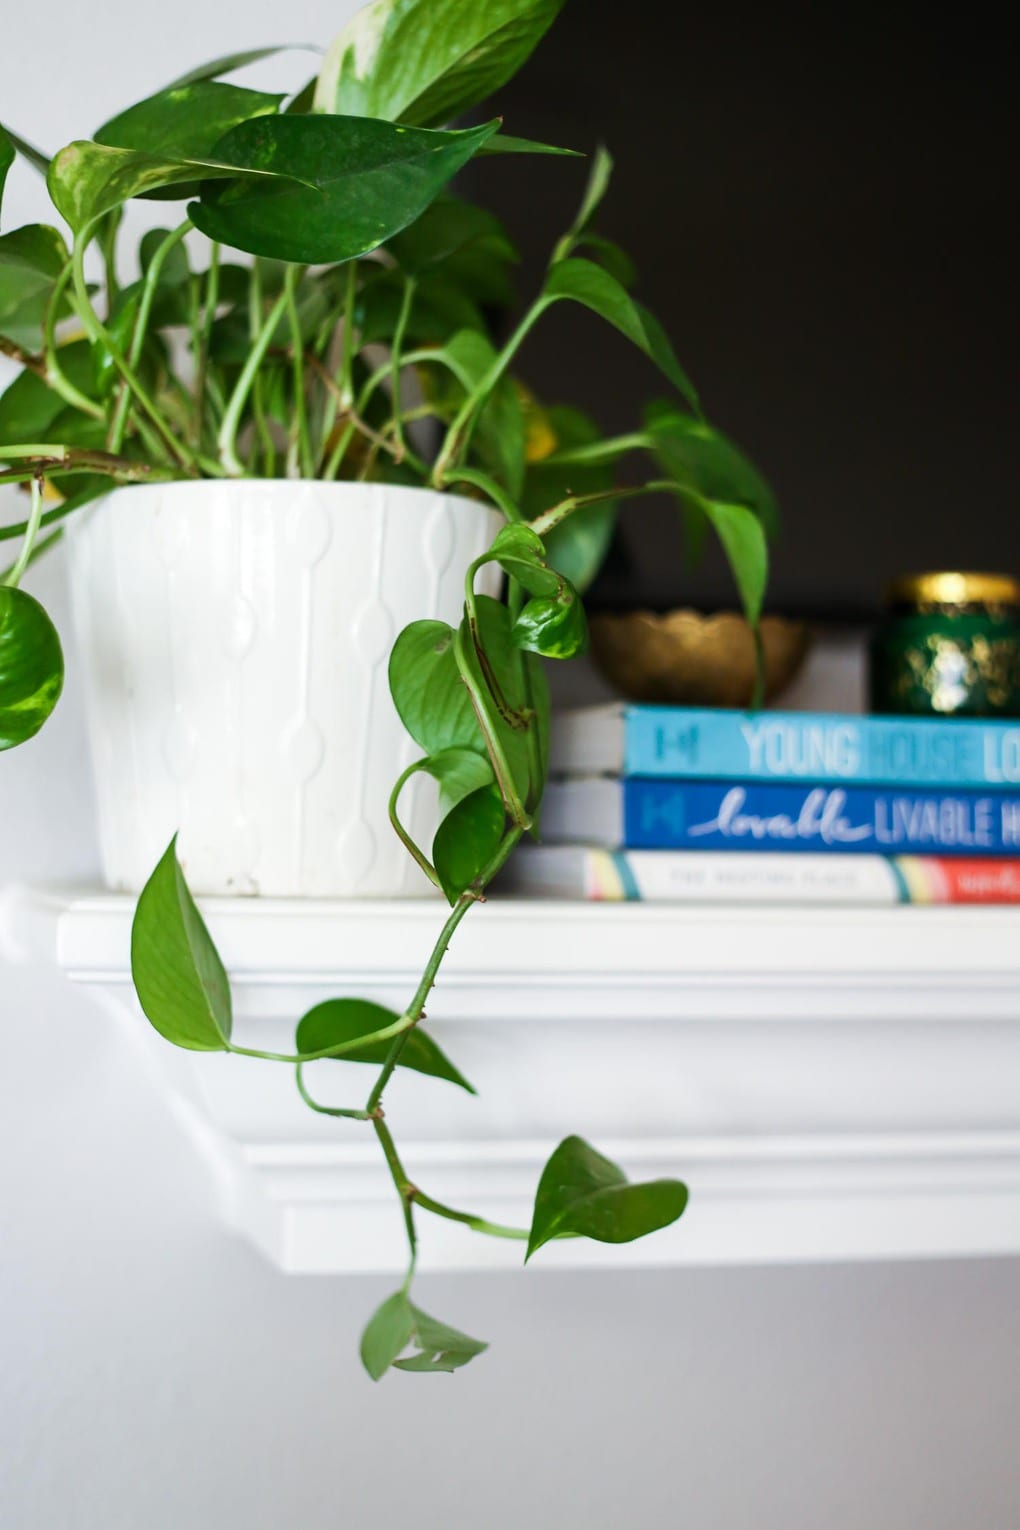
{"type": "Point", "coordinates": [687, 876]}
{"type": "Point", "coordinates": [734, 877]}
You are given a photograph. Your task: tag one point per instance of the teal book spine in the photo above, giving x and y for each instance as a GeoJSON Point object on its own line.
{"type": "Point", "coordinates": [789, 747]}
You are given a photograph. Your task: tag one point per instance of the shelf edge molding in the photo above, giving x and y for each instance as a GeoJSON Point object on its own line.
{"type": "Point", "coordinates": [832, 1084]}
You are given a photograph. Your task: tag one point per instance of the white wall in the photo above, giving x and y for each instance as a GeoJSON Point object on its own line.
{"type": "Point", "coordinates": [156, 1375]}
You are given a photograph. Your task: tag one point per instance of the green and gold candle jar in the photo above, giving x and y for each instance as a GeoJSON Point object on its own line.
{"type": "Point", "coordinates": [948, 646]}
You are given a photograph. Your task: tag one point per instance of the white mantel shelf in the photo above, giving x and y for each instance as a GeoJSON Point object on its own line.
{"type": "Point", "coordinates": [832, 1084]}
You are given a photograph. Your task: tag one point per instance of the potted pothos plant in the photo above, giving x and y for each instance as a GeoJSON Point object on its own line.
{"type": "Point", "coordinates": [295, 434]}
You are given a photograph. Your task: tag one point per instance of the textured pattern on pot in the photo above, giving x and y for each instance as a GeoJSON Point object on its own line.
{"type": "Point", "coordinates": [235, 640]}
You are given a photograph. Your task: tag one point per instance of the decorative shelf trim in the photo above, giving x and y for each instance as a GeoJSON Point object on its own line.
{"type": "Point", "coordinates": [832, 1083]}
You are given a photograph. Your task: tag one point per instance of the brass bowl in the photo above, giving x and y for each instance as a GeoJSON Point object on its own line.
{"type": "Point", "coordinates": [689, 659]}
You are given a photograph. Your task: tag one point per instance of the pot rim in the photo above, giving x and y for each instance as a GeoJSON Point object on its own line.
{"type": "Point", "coordinates": [336, 490]}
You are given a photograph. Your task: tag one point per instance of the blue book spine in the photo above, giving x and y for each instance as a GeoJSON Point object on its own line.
{"type": "Point", "coordinates": [722, 815]}
{"type": "Point", "coordinates": [692, 743]}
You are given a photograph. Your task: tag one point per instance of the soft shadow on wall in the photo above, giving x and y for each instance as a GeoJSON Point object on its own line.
{"type": "Point", "coordinates": [816, 199]}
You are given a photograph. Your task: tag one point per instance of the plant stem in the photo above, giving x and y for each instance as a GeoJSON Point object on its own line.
{"type": "Point", "coordinates": [403, 1184]}
{"type": "Point", "coordinates": [493, 746]}
{"type": "Point", "coordinates": [356, 415]}
{"type": "Point", "coordinates": [402, 834]}
{"type": "Point", "coordinates": [462, 421]}
{"type": "Point", "coordinates": [54, 374]}
{"type": "Point", "coordinates": [516, 596]}
{"type": "Point", "coordinates": [378, 377]}
{"type": "Point", "coordinates": [339, 452]}
{"type": "Point", "coordinates": [758, 694]}
{"type": "Point", "coordinates": [50, 458]}
{"type": "Point", "coordinates": [23, 358]}
{"type": "Point", "coordinates": [326, 1110]}
{"type": "Point", "coordinates": [544, 523]}
{"type": "Point", "coordinates": [57, 467]}
{"type": "Point", "coordinates": [349, 348]}
{"type": "Point", "coordinates": [202, 336]}
{"type": "Point", "coordinates": [340, 395]}
{"type": "Point", "coordinates": [115, 437]}
{"type": "Point", "coordinates": [416, 1008]}
{"type": "Point", "coordinates": [500, 498]}
{"type": "Point", "coordinates": [602, 451]}
{"type": "Point", "coordinates": [109, 224]}
{"type": "Point", "coordinates": [31, 532]}
{"type": "Point", "coordinates": [477, 1224]}
{"type": "Point", "coordinates": [404, 1023]}
{"type": "Point", "coordinates": [227, 440]}
{"type": "Point", "coordinates": [262, 430]}
{"type": "Point", "coordinates": [306, 464]}
{"type": "Point", "coordinates": [101, 336]}
{"type": "Point", "coordinates": [37, 551]}
{"type": "Point", "coordinates": [404, 314]}
{"type": "Point", "coordinates": [333, 390]}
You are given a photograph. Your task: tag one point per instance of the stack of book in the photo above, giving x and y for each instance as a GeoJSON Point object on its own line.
{"type": "Point", "coordinates": [674, 803]}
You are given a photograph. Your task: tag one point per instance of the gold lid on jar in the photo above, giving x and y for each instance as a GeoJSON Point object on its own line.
{"type": "Point", "coordinates": [954, 589]}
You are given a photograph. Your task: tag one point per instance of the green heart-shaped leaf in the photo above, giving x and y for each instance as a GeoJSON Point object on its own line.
{"type": "Point", "coordinates": [500, 435]}
{"type": "Point", "coordinates": [446, 228]}
{"type": "Point", "coordinates": [582, 1194]}
{"type": "Point", "coordinates": [435, 706]}
{"type": "Point", "coordinates": [518, 541]}
{"type": "Point", "coordinates": [427, 61]}
{"type": "Point", "coordinates": [364, 181]}
{"type": "Point", "coordinates": [427, 690]}
{"type": "Point", "coordinates": [185, 121]}
{"type": "Point", "coordinates": [505, 143]}
{"type": "Point", "coordinates": [387, 1334]}
{"type": "Point", "coordinates": [342, 1020]}
{"type": "Point", "coordinates": [465, 243]}
{"type": "Point", "coordinates": [29, 408]}
{"type": "Point", "coordinates": [481, 273]}
{"type": "Point", "coordinates": [467, 839]}
{"type": "Point", "coordinates": [36, 248]}
{"type": "Point", "coordinates": [582, 281]}
{"type": "Point", "coordinates": [595, 189]}
{"type": "Point", "coordinates": [609, 254]}
{"type": "Point", "coordinates": [88, 179]}
{"type": "Point", "coordinates": [521, 552]}
{"type": "Point", "coordinates": [442, 1348]}
{"type": "Point", "coordinates": [459, 773]}
{"type": "Point", "coordinates": [743, 540]}
{"type": "Point", "coordinates": [31, 259]}
{"type": "Point", "coordinates": [694, 452]}
{"type": "Point", "coordinates": [467, 355]}
{"type": "Point", "coordinates": [555, 628]}
{"type": "Point", "coordinates": [396, 1324]}
{"type": "Point", "coordinates": [31, 667]}
{"type": "Point", "coordinates": [178, 976]}
{"type": "Point", "coordinates": [505, 677]}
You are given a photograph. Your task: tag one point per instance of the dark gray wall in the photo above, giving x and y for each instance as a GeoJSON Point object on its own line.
{"type": "Point", "coordinates": [820, 201]}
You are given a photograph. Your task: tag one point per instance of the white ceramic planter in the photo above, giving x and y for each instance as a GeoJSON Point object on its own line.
{"type": "Point", "coordinates": [235, 639]}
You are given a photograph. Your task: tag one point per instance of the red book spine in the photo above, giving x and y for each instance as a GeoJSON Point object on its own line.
{"type": "Point", "coordinates": [957, 879]}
